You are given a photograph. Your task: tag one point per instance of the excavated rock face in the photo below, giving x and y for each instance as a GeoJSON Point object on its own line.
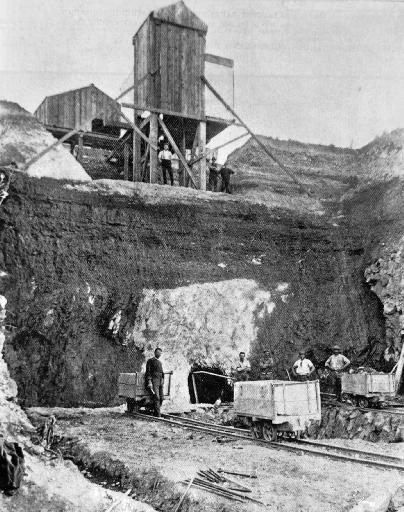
{"type": "Point", "coordinates": [376, 217]}
{"type": "Point", "coordinates": [201, 324]}
{"type": "Point", "coordinates": [12, 419]}
{"type": "Point", "coordinates": [96, 280]}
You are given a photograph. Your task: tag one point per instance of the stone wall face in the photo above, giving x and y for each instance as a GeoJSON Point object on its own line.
{"type": "Point", "coordinates": [91, 277]}
{"type": "Point", "coordinates": [351, 423]}
{"type": "Point", "coordinates": [12, 419]}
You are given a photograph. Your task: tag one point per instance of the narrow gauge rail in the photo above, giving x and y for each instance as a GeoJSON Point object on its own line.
{"type": "Point", "coordinates": [338, 453]}
{"type": "Point", "coordinates": [385, 410]}
{"type": "Point", "coordinates": [304, 442]}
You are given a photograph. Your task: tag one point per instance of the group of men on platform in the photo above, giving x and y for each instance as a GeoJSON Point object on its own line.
{"type": "Point", "coordinates": [302, 368]}
{"type": "Point", "coordinates": [165, 158]}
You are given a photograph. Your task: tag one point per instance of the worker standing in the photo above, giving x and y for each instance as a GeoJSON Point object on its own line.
{"type": "Point", "coordinates": [155, 380]}
{"type": "Point", "coordinates": [213, 175]}
{"type": "Point", "coordinates": [225, 173]}
{"type": "Point", "coordinates": [337, 363]}
{"type": "Point", "coordinates": [165, 157]}
{"type": "Point", "coordinates": [303, 367]}
{"type": "Point", "coordinates": [267, 366]}
{"type": "Point", "coordinates": [243, 368]}
{"type": "Point", "coordinates": [390, 357]}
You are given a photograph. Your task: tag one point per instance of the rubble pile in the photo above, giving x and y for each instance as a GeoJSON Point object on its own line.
{"type": "Point", "coordinates": [351, 423]}
{"type": "Point", "coordinates": [22, 137]}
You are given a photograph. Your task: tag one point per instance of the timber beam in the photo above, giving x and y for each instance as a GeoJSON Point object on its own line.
{"type": "Point", "coordinates": [177, 151]}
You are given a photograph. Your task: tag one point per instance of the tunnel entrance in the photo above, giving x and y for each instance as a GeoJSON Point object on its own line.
{"type": "Point", "coordinates": [208, 387]}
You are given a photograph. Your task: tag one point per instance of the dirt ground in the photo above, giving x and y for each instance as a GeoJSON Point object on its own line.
{"type": "Point", "coordinates": [58, 486]}
{"type": "Point", "coordinates": [285, 481]}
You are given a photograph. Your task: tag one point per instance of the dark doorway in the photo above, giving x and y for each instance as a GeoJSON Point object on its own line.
{"type": "Point", "coordinates": [209, 387]}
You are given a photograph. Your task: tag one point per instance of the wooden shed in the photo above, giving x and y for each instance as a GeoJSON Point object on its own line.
{"type": "Point", "coordinates": [87, 107]}
{"type": "Point", "coordinates": [169, 50]}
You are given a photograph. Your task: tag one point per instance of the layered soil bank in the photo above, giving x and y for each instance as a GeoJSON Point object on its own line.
{"type": "Point", "coordinates": [97, 277]}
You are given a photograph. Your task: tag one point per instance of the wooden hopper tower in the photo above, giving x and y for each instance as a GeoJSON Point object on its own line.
{"type": "Point", "coordinates": [169, 63]}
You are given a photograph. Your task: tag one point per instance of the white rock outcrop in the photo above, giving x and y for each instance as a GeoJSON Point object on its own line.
{"type": "Point", "coordinates": [208, 323]}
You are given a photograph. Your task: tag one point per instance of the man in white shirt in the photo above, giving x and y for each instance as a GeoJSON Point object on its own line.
{"type": "Point", "coordinates": [165, 157]}
{"type": "Point", "coordinates": [243, 368]}
{"type": "Point", "coordinates": [303, 368]}
{"type": "Point", "coordinates": [337, 363]}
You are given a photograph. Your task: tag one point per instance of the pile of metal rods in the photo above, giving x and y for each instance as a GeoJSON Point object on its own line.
{"type": "Point", "coordinates": [209, 480]}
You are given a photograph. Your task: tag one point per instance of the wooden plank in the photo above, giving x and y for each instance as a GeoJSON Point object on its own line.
{"type": "Point", "coordinates": [202, 43]}
{"type": "Point", "coordinates": [161, 111]}
{"type": "Point", "coordinates": [184, 70]}
{"type": "Point", "coordinates": [136, 143]}
{"type": "Point", "coordinates": [146, 158]}
{"type": "Point", "coordinates": [77, 108]}
{"type": "Point", "coordinates": [170, 68]}
{"type": "Point", "coordinates": [257, 140]}
{"type": "Point", "coordinates": [220, 61]}
{"type": "Point", "coordinates": [202, 164]}
{"type": "Point", "coordinates": [195, 390]}
{"type": "Point", "coordinates": [177, 151]}
{"type": "Point", "coordinates": [164, 71]}
{"type": "Point", "coordinates": [178, 70]}
{"type": "Point", "coordinates": [153, 137]}
{"type": "Point", "coordinates": [157, 76]}
{"type": "Point", "coordinates": [154, 146]}
{"type": "Point", "coordinates": [80, 149]}
{"type": "Point", "coordinates": [181, 173]}
{"type": "Point", "coordinates": [126, 162]}
{"type": "Point", "coordinates": [73, 132]}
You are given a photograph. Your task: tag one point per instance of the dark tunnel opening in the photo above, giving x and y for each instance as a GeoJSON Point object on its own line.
{"type": "Point", "coordinates": [209, 387]}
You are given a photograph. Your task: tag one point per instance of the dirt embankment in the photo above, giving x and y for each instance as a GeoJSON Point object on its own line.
{"type": "Point", "coordinates": [75, 258]}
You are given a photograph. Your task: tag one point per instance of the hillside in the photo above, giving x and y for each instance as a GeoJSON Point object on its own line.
{"type": "Point", "coordinates": [324, 171]}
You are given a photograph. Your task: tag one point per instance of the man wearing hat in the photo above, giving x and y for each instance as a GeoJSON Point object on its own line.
{"type": "Point", "coordinates": [213, 175]}
{"type": "Point", "coordinates": [337, 363]}
{"type": "Point", "coordinates": [303, 367]}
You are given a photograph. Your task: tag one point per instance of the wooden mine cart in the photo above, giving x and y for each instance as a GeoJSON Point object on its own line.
{"type": "Point", "coordinates": [275, 406]}
{"type": "Point", "coordinates": [367, 389]}
{"type": "Point", "coordinates": [132, 386]}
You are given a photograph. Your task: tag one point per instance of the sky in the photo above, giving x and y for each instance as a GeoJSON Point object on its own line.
{"type": "Point", "coordinates": [329, 72]}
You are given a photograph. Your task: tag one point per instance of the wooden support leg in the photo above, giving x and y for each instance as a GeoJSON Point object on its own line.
{"type": "Point", "coordinates": [194, 152]}
{"type": "Point", "coordinates": [202, 163]}
{"type": "Point", "coordinates": [126, 162]}
{"type": "Point", "coordinates": [177, 151]}
{"type": "Point", "coordinates": [80, 149]}
{"type": "Point", "coordinates": [136, 161]}
{"type": "Point", "coordinates": [153, 137]}
{"type": "Point", "coordinates": [181, 169]}
{"type": "Point", "coordinates": [195, 390]}
{"type": "Point", "coordinates": [145, 174]}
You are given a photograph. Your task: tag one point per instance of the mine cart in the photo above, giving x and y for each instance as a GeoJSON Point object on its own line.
{"type": "Point", "coordinates": [275, 406]}
{"type": "Point", "coordinates": [367, 389]}
{"type": "Point", "coordinates": [132, 386]}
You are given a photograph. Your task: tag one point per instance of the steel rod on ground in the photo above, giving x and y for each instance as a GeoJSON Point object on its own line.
{"type": "Point", "coordinates": [257, 140]}
{"type": "Point", "coordinates": [185, 493]}
{"type": "Point", "coordinates": [247, 475]}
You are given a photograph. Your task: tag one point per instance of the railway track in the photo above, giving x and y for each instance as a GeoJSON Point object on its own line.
{"type": "Point", "coordinates": [385, 410]}
{"type": "Point", "coordinates": [302, 446]}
